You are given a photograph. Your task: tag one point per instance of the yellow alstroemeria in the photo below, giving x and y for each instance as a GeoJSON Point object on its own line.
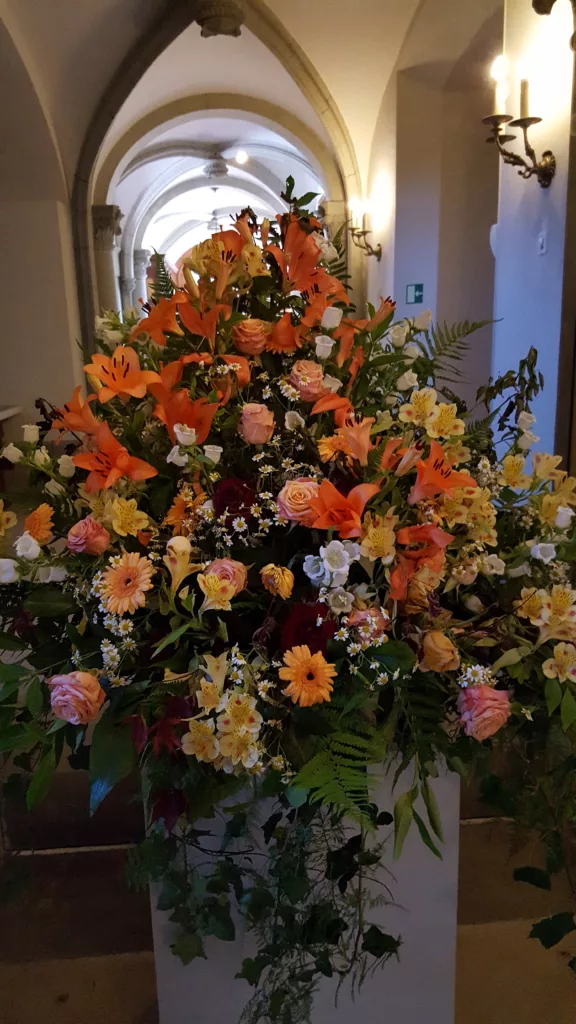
{"type": "Point", "coordinates": [548, 508]}
{"type": "Point", "coordinates": [240, 715]}
{"type": "Point", "coordinates": [126, 518]}
{"type": "Point", "coordinates": [443, 421]}
{"type": "Point", "coordinates": [545, 466]}
{"type": "Point", "coordinates": [200, 740]}
{"type": "Point", "coordinates": [562, 665]}
{"type": "Point", "coordinates": [217, 593]}
{"type": "Point", "coordinates": [513, 474]}
{"type": "Point", "coordinates": [238, 747]}
{"type": "Point", "coordinates": [7, 519]}
{"type": "Point", "coordinates": [565, 488]}
{"type": "Point", "coordinates": [252, 259]}
{"type": "Point", "coordinates": [534, 605]}
{"type": "Point", "coordinates": [177, 560]}
{"type": "Point", "coordinates": [418, 409]}
{"type": "Point", "coordinates": [378, 537]}
{"type": "Point", "coordinates": [211, 689]}
{"type": "Point", "coordinates": [457, 453]}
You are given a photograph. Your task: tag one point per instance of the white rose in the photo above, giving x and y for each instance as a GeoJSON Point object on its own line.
{"type": "Point", "coordinates": [294, 421]}
{"type": "Point", "coordinates": [492, 565]}
{"type": "Point", "coordinates": [329, 251]}
{"type": "Point", "coordinates": [66, 466]}
{"type": "Point", "coordinates": [411, 352]}
{"type": "Point", "coordinates": [525, 421]}
{"type": "Point", "coordinates": [27, 547]}
{"type": "Point", "coordinates": [563, 517]}
{"type": "Point", "coordinates": [331, 318]}
{"type": "Point", "coordinates": [423, 320]}
{"type": "Point", "coordinates": [527, 440]}
{"type": "Point", "coordinates": [179, 546]}
{"type": "Point", "coordinates": [213, 452]}
{"type": "Point", "coordinates": [520, 570]}
{"type": "Point", "coordinates": [332, 383]}
{"type": "Point", "coordinates": [8, 573]}
{"type": "Point", "coordinates": [340, 601]}
{"type": "Point", "coordinates": [42, 456]}
{"type": "Point", "coordinates": [31, 433]}
{"type": "Point", "coordinates": [324, 346]}
{"type": "Point", "coordinates": [543, 552]}
{"type": "Point", "coordinates": [54, 488]}
{"type": "Point", "coordinates": [12, 453]}
{"type": "Point", "coordinates": [185, 435]}
{"type": "Point", "coordinates": [406, 381]}
{"type": "Point", "coordinates": [398, 334]}
{"type": "Point", "coordinates": [176, 457]}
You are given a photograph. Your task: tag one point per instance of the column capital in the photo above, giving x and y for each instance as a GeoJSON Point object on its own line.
{"type": "Point", "coordinates": [141, 261]}
{"type": "Point", "coordinates": [106, 226]}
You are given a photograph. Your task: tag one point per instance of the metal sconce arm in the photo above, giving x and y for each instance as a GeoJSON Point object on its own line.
{"type": "Point", "coordinates": [360, 239]}
{"type": "Point", "coordinates": [543, 169]}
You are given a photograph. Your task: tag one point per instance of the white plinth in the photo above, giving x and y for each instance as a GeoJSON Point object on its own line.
{"type": "Point", "coordinates": [419, 989]}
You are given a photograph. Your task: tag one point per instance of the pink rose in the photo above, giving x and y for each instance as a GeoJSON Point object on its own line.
{"type": "Point", "coordinates": [376, 620]}
{"type": "Point", "coordinates": [257, 423]}
{"type": "Point", "coordinates": [76, 697]}
{"type": "Point", "coordinates": [483, 710]}
{"type": "Point", "coordinates": [250, 336]}
{"type": "Point", "coordinates": [88, 536]}
{"type": "Point", "coordinates": [294, 500]}
{"type": "Point", "coordinates": [229, 570]}
{"type": "Point", "coordinates": [308, 379]}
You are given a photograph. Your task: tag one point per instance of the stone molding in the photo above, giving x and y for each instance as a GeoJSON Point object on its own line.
{"type": "Point", "coordinates": [106, 226]}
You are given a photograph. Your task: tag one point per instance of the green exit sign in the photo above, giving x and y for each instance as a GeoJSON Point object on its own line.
{"type": "Point", "coordinates": [414, 294]}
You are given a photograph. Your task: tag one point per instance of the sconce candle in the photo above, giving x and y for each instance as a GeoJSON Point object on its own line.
{"type": "Point", "coordinates": [524, 98]}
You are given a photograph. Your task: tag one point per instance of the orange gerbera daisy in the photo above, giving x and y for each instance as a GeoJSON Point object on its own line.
{"type": "Point", "coordinates": [309, 675]}
{"type": "Point", "coordinates": [182, 515]}
{"type": "Point", "coordinates": [120, 374]}
{"type": "Point", "coordinates": [39, 523]}
{"type": "Point", "coordinates": [329, 448]}
{"type": "Point", "coordinates": [125, 582]}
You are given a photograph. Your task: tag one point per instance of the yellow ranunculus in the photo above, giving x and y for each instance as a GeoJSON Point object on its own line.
{"type": "Point", "coordinates": [277, 580]}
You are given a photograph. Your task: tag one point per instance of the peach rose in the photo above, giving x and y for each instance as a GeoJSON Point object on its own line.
{"type": "Point", "coordinates": [230, 571]}
{"type": "Point", "coordinates": [76, 697]}
{"type": "Point", "coordinates": [250, 336]}
{"type": "Point", "coordinates": [294, 500]}
{"type": "Point", "coordinates": [88, 536]}
{"type": "Point", "coordinates": [257, 423]}
{"type": "Point", "coordinates": [376, 620]}
{"type": "Point", "coordinates": [483, 710]}
{"type": "Point", "coordinates": [308, 379]}
{"type": "Point", "coordinates": [440, 655]}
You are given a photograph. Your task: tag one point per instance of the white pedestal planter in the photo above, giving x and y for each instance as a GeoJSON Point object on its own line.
{"type": "Point", "coordinates": [419, 989]}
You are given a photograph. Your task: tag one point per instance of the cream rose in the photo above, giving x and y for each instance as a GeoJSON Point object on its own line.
{"type": "Point", "coordinates": [308, 379]}
{"type": "Point", "coordinates": [257, 423]}
{"type": "Point", "coordinates": [483, 710]}
{"type": "Point", "coordinates": [440, 655]}
{"type": "Point", "coordinates": [88, 536]}
{"type": "Point", "coordinates": [250, 336]}
{"type": "Point", "coordinates": [294, 500]}
{"type": "Point", "coordinates": [76, 697]}
{"type": "Point", "coordinates": [229, 570]}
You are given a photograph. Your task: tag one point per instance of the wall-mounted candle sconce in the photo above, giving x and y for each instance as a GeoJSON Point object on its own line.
{"type": "Point", "coordinates": [528, 166]}
{"type": "Point", "coordinates": [359, 210]}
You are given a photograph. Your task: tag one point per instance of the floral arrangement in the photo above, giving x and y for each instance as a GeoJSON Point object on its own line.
{"type": "Point", "coordinates": [274, 551]}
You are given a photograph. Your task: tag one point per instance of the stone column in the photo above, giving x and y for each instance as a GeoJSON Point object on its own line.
{"type": "Point", "coordinates": [334, 215]}
{"type": "Point", "coordinates": [106, 226]}
{"type": "Point", "coordinates": [140, 288]}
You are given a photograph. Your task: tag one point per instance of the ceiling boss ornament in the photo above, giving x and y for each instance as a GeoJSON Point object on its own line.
{"type": "Point", "coordinates": [220, 17]}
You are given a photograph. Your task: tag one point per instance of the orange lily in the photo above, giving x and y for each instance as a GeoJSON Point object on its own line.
{"type": "Point", "coordinates": [342, 407]}
{"type": "Point", "coordinates": [284, 337]}
{"type": "Point", "coordinates": [230, 244]}
{"type": "Point", "coordinates": [349, 328]}
{"type": "Point", "coordinates": [357, 362]}
{"type": "Point", "coordinates": [298, 259]}
{"type": "Point", "coordinates": [243, 373]}
{"type": "Point", "coordinates": [344, 513]}
{"type": "Point", "coordinates": [111, 462]}
{"type": "Point", "coordinates": [357, 435]}
{"type": "Point", "coordinates": [197, 357]}
{"type": "Point", "coordinates": [203, 322]}
{"type": "Point", "coordinates": [161, 320]}
{"type": "Point", "coordinates": [178, 407]}
{"type": "Point", "coordinates": [77, 414]}
{"type": "Point", "coordinates": [430, 542]}
{"type": "Point", "coordinates": [120, 374]}
{"type": "Point", "coordinates": [400, 460]}
{"type": "Point", "coordinates": [323, 291]}
{"type": "Point", "coordinates": [436, 476]}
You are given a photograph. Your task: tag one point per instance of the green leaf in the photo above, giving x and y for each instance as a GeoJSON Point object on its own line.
{"type": "Point", "coordinates": [35, 698]}
{"type": "Point", "coordinates": [41, 779]}
{"type": "Point", "coordinates": [378, 943]}
{"type": "Point", "coordinates": [252, 968]}
{"type": "Point", "coordinates": [9, 642]}
{"type": "Point", "coordinates": [306, 199]}
{"type": "Point", "coordinates": [511, 657]}
{"type": "Point", "coordinates": [551, 930]}
{"type": "Point", "coordinates": [433, 809]}
{"type": "Point", "coordinates": [112, 758]}
{"type": "Point", "coordinates": [188, 947]}
{"type": "Point", "coordinates": [553, 692]}
{"type": "Point", "coordinates": [15, 736]}
{"type": "Point", "coordinates": [296, 796]}
{"type": "Point", "coordinates": [425, 835]}
{"type": "Point", "coordinates": [11, 677]}
{"type": "Point", "coordinates": [220, 922]}
{"type": "Point", "coordinates": [395, 654]}
{"type": "Point", "coordinates": [49, 602]}
{"type": "Point", "coordinates": [171, 638]}
{"type": "Point", "coordinates": [533, 876]}
{"type": "Point", "coordinates": [568, 710]}
{"type": "Point", "coordinates": [403, 817]}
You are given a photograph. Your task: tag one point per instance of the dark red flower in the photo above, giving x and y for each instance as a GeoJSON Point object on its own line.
{"type": "Point", "coordinates": [169, 805]}
{"type": "Point", "coordinates": [233, 496]}
{"type": "Point", "coordinates": [300, 627]}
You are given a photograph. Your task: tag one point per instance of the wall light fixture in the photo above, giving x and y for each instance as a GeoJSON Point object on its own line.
{"type": "Point", "coordinates": [528, 166]}
{"type": "Point", "coordinates": [359, 211]}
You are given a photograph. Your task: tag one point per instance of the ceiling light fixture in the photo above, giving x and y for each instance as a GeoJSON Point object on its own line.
{"type": "Point", "coordinates": [241, 156]}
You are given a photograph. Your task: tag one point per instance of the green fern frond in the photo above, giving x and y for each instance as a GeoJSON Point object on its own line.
{"type": "Point", "coordinates": [163, 286]}
{"type": "Point", "coordinates": [338, 776]}
{"type": "Point", "coordinates": [444, 345]}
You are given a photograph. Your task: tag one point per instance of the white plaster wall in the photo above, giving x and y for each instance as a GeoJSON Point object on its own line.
{"type": "Point", "coordinates": [528, 287]}
{"type": "Point", "coordinates": [39, 356]}
{"type": "Point", "coordinates": [416, 989]}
